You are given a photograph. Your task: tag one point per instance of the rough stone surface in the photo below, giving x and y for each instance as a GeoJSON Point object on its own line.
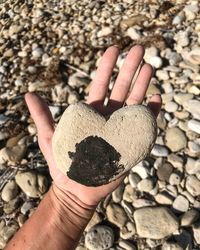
{"type": "Point", "coordinates": [155, 222]}
{"type": "Point", "coordinates": [99, 238]}
{"type": "Point", "coordinates": [81, 129]}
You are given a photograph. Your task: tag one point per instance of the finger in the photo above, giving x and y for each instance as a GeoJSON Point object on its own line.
{"type": "Point", "coordinates": [141, 85]}
{"type": "Point", "coordinates": [155, 104]}
{"type": "Point", "coordinates": [126, 74]}
{"type": "Point", "coordinates": [100, 84]}
{"type": "Point", "coordinates": [41, 115]}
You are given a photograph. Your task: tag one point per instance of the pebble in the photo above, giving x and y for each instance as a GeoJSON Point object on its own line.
{"type": "Point", "coordinates": [156, 62]}
{"type": "Point", "coordinates": [160, 151]}
{"type": "Point", "coordinates": [194, 125]}
{"type": "Point", "coordinates": [193, 106]}
{"type": "Point", "coordinates": [133, 33]}
{"type": "Point", "coordinates": [192, 166]}
{"type": "Point", "coordinates": [171, 246]}
{"type": "Point", "coordinates": [37, 52]}
{"type": "Point", "coordinates": [175, 160]}
{"type": "Point", "coordinates": [193, 185]}
{"type": "Point", "coordinates": [182, 38]}
{"type": "Point", "coordinates": [171, 107]}
{"type": "Point", "coordinates": [134, 179]}
{"type": "Point", "coordinates": [155, 222]}
{"type": "Point", "coordinates": [116, 215]}
{"type": "Point", "coordinates": [6, 232]}
{"type": "Point", "coordinates": [196, 232]}
{"type": "Point", "coordinates": [162, 74]}
{"type": "Point", "coordinates": [99, 238]}
{"type": "Point", "coordinates": [32, 184]}
{"type": "Point", "coordinates": [181, 204]}
{"type": "Point", "coordinates": [175, 139]}
{"type": "Point", "coordinates": [145, 185]}
{"type": "Point", "coordinates": [9, 191]}
{"type": "Point", "coordinates": [126, 245]}
{"type": "Point", "coordinates": [8, 53]}
{"type": "Point", "coordinates": [191, 10]}
{"type": "Point", "coordinates": [175, 179]}
{"type": "Point", "coordinates": [189, 217]}
{"type": "Point", "coordinates": [129, 193]}
{"type": "Point", "coordinates": [143, 203]}
{"type": "Point", "coordinates": [164, 198]}
{"type": "Point", "coordinates": [117, 194]}
{"type": "Point", "coordinates": [194, 147]}
{"type": "Point", "coordinates": [128, 230]}
{"type": "Point", "coordinates": [13, 154]}
{"type": "Point", "coordinates": [140, 170]}
{"type": "Point", "coordinates": [12, 205]}
{"type": "Point", "coordinates": [26, 207]}
{"type": "Point", "coordinates": [105, 31]}
{"type": "Point", "coordinates": [164, 172]}
{"type": "Point", "coordinates": [180, 98]}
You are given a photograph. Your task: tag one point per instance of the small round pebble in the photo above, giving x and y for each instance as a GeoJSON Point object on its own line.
{"type": "Point", "coordinates": [171, 107]}
{"type": "Point", "coordinates": [181, 204]}
{"type": "Point", "coordinates": [145, 185]}
{"type": "Point", "coordinates": [99, 238]}
{"type": "Point", "coordinates": [175, 179]}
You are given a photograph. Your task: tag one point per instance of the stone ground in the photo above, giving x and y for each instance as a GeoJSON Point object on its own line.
{"type": "Point", "coordinates": [52, 47]}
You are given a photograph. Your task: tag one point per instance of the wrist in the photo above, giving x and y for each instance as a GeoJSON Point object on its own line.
{"type": "Point", "coordinates": [68, 209]}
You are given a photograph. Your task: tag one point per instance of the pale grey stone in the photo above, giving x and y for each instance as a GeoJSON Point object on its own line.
{"type": "Point", "coordinates": [193, 106]}
{"type": "Point", "coordinates": [193, 185]}
{"type": "Point", "coordinates": [32, 184]}
{"type": "Point", "coordinates": [181, 204]}
{"type": "Point", "coordinates": [188, 218]}
{"type": "Point", "coordinates": [175, 179]}
{"type": "Point", "coordinates": [194, 125]}
{"type": "Point", "coordinates": [126, 245]}
{"type": "Point", "coordinates": [171, 107]}
{"type": "Point", "coordinates": [155, 222]}
{"type": "Point", "coordinates": [196, 232]}
{"type": "Point", "coordinates": [175, 139]}
{"type": "Point", "coordinates": [116, 215]}
{"type": "Point", "coordinates": [180, 98]}
{"type": "Point", "coordinates": [37, 52]}
{"type": "Point", "coordinates": [128, 230]}
{"type": "Point", "coordinates": [160, 151]}
{"type": "Point", "coordinates": [145, 185]}
{"type": "Point", "coordinates": [117, 194]}
{"type": "Point", "coordinates": [171, 246]}
{"type": "Point", "coordinates": [134, 179]}
{"type": "Point", "coordinates": [9, 191]}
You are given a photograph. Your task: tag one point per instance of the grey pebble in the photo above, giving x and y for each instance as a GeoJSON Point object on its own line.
{"type": "Point", "coordinates": [99, 238]}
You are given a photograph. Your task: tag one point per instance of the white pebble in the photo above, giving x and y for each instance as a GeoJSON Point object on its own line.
{"type": "Point", "coordinates": [194, 125]}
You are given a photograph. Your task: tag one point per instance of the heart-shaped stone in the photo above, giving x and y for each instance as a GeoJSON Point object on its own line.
{"type": "Point", "coordinates": [94, 151]}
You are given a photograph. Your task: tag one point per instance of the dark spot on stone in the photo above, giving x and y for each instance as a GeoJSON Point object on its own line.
{"type": "Point", "coordinates": [94, 163]}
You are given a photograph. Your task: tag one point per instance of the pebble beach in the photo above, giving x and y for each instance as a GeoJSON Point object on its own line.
{"type": "Point", "coordinates": [53, 48]}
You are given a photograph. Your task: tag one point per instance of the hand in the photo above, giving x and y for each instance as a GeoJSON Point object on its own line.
{"type": "Point", "coordinates": [83, 195]}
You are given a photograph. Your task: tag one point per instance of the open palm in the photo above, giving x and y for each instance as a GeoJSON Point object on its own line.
{"type": "Point", "coordinates": [120, 95]}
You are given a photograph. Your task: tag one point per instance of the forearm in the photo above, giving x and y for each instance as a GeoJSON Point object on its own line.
{"type": "Point", "coordinates": [57, 223]}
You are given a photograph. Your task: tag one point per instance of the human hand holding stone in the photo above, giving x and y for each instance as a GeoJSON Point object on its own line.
{"type": "Point", "coordinates": [120, 95]}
